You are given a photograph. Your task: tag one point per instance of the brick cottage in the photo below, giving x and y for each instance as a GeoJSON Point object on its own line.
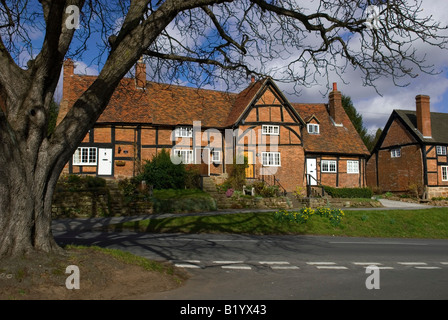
{"type": "Point", "coordinates": [411, 155]}
{"type": "Point", "coordinates": [286, 143]}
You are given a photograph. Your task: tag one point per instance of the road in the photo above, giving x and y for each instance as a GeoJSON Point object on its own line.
{"type": "Point", "coordinates": [242, 267]}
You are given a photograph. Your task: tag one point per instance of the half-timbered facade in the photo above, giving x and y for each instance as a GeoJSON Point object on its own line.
{"type": "Point", "coordinates": [411, 155]}
{"type": "Point", "coordinates": [213, 128]}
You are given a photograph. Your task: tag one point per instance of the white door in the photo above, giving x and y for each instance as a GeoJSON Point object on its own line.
{"type": "Point", "coordinates": [311, 169]}
{"type": "Point", "coordinates": [104, 162]}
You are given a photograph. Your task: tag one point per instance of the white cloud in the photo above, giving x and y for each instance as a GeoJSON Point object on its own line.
{"type": "Point", "coordinates": [376, 108]}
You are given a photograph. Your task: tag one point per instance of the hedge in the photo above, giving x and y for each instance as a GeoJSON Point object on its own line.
{"type": "Point", "coordinates": [349, 192]}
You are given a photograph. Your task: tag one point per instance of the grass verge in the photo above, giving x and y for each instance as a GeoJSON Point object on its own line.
{"type": "Point", "coordinates": [428, 223]}
{"type": "Point", "coordinates": [128, 258]}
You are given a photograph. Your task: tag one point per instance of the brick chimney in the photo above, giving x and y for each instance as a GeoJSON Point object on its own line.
{"type": "Point", "coordinates": [423, 115]}
{"type": "Point", "coordinates": [140, 74]}
{"type": "Point", "coordinates": [67, 74]}
{"type": "Point", "coordinates": [335, 104]}
{"type": "Point", "coordinates": [69, 71]}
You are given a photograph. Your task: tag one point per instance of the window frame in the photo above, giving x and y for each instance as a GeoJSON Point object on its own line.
{"type": "Point", "coordinates": [80, 157]}
{"type": "Point", "coordinates": [329, 165]}
{"type": "Point", "coordinates": [183, 132]}
{"type": "Point", "coordinates": [395, 153]}
{"type": "Point", "coordinates": [276, 161]}
{"type": "Point", "coordinates": [353, 166]}
{"type": "Point", "coordinates": [313, 125]}
{"type": "Point", "coordinates": [189, 157]}
{"type": "Point", "coordinates": [270, 130]}
{"type": "Point", "coordinates": [213, 153]}
{"type": "Point", "coordinates": [446, 173]}
{"type": "Point", "coordinates": [441, 150]}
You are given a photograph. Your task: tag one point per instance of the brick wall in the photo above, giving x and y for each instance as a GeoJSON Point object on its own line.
{"type": "Point", "coordinates": [396, 174]}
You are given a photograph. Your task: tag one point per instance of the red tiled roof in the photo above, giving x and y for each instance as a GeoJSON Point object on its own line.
{"type": "Point", "coordinates": [242, 101]}
{"type": "Point", "coordinates": [177, 105]}
{"type": "Point", "coordinates": [331, 139]}
{"type": "Point", "coordinates": [163, 104]}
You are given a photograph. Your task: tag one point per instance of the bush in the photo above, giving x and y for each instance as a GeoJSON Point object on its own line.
{"type": "Point", "coordinates": [192, 177]}
{"type": "Point", "coordinates": [74, 182]}
{"type": "Point", "coordinates": [237, 173]}
{"type": "Point", "coordinates": [162, 173]}
{"type": "Point", "coordinates": [262, 189]}
{"type": "Point", "coordinates": [349, 192]}
{"type": "Point", "coordinates": [178, 201]}
{"type": "Point", "coordinates": [302, 216]}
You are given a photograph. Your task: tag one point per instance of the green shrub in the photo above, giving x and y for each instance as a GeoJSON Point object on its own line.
{"type": "Point", "coordinates": [192, 177]}
{"type": "Point", "coordinates": [264, 190]}
{"type": "Point", "coordinates": [162, 173]}
{"type": "Point", "coordinates": [94, 182]}
{"type": "Point", "coordinates": [237, 172]}
{"type": "Point", "coordinates": [178, 201]}
{"type": "Point", "coordinates": [304, 214]}
{"type": "Point", "coordinates": [74, 182]}
{"type": "Point", "coordinates": [131, 191]}
{"type": "Point", "coordinates": [349, 192]}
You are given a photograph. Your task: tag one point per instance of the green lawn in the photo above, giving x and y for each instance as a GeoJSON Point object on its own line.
{"type": "Point", "coordinates": [429, 223]}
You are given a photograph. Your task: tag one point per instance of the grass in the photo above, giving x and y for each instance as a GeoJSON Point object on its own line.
{"type": "Point", "coordinates": [428, 223]}
{"type": "Point", "coordinates": [185, 200]}
{"type": "Point", "coordinates": [179, 193]}
{"type": "Point", "coordinates": [127, 258]}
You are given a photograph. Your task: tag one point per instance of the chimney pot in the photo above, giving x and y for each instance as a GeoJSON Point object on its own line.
{"type": "Point", "coordinates": [335, 86]}
{"type": "Point", "coordinates": [252, 79]}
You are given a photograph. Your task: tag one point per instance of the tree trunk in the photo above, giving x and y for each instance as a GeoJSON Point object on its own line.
{"type": "Point", "coordinates": [26, 190]}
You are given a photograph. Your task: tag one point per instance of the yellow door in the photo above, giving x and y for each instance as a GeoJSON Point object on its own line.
{"type": "Point", "coordinates": [250, 160]}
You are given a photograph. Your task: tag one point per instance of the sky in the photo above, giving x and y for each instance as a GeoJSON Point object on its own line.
{"type": "Point", "coordinates": [375, 107]}
{"type": "Point", "coordinates": [376, 104]}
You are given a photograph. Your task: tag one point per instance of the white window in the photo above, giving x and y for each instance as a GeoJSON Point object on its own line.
{"type": "Point", "coordinates": [352, 166]}
{"type": "Point", "coordinates": [185, 154]}
{"type": "Point", "coordinates": [84, 157]}
{"type": "Point", "coordinates": [271, 159]}
{"type": "Point", "coordinates": [441, 150]}
{"type": "Point", "coordinates": [183, 132]}
{"type": "Point", "coordinates": [328, 166]}
{"type": "Point", "coordinates": [313, 128]}
{"type": "Point", "coordinates": [444, 173]}
{"type": "Point", "coordinates": [270, 129]}
{"type": "Point", "coordinates": [216, 156]}
{"type": "Point", "coordinates": [395, 153]}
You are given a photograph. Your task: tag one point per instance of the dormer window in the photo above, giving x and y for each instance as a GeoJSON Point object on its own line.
{"type": "Point", "coordinates": [183, 132]}
{"type": "Point", "coordinates": [313, 128]}
{"type": "Point", "coordinates": [270, 130]}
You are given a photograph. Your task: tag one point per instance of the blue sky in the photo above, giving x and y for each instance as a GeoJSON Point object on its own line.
{"type": "Point", "coordinates": [375, 108]}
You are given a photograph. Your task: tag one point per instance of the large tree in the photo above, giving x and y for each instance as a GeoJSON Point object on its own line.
{"type": "Point", "coordinates": [196, 39]}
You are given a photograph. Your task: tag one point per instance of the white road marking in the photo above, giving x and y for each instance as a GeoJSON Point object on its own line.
{"type": "Point", "coordinates": [284, 267]}
{"type": "Point", "coordinates": [227, 262]}
{"type": "Point", "coordinates": [185, 265]}
{"type": "Point", "coordinates": [383, 243]}
{"type": "Point", "coordinates": [274, 262]}
{"type": "Point", "coordinates": [413, 263]}
{"type": "Point", "coordinates": [331, 267]}
{"type": "Point", "coordinates": [367, 263]}
{"type": "Point", "coordinates": [428, 268]}
{"type": "Point", "coordinates": [238, 267]}
{"type": "Point", "coordinates": [321, 263]}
